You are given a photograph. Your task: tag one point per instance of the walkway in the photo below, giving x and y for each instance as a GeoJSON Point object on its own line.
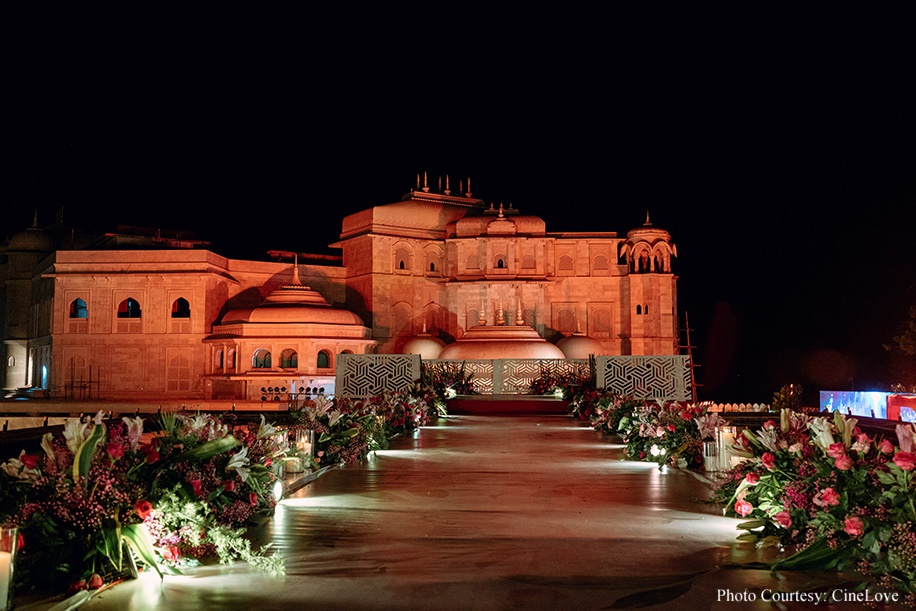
{"type": "Point", "coordinates": [479, 513]}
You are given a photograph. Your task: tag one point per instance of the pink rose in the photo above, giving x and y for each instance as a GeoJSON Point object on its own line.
{"type": "Point", "coordinates": [95, 582]}
{"type": "Point", "coordinates": [768, 460]}
{"type": "Point", "coordinates": [670, 427]}
{"type": "Point", "coordinates": [253, 498]}
{"type": "Point", "coordinates": [769, 424]}
{"type": "Point", "coordinates": [885, 447]}
{"type": "Point", "coordinates": [905, 460]}
{"type": "Point", "coordinates": [743, 508]}
{"type": "Point", "coordinates": [836, 450]}
{"type": "Point", "coordinates": [784, 519]}
{"type": "Point", "coordinates": [854, 526]}
{"type": "Point", "coordinates": [843, 463]}
{"type": "Point", "coordinates": [827, 497]}
{"type": "Point", "coordinates": [171, 552]}
{"type": "Point", "coordinates": [752, 478]}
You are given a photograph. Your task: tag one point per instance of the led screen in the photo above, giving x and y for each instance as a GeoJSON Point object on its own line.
{"type": "Point", "coordinates": [866, 404]}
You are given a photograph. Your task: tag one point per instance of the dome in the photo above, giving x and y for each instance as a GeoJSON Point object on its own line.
{"type": "Point", "coordinates": [293, 303]}
{"type": "Point", "coordinates": [579, 346]}
{"type": "Point", "coordinates": [501, 342]}
{"type": "Point", "coordinates": [33, 239]}
{"type": "Point", "coordinates": [424, 344]}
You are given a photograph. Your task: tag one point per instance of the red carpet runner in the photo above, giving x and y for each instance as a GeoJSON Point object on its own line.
{"type": "Point", "coordinates": [507, 404]}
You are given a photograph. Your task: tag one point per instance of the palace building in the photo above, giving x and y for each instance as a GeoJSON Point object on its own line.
{"type": "Point", "coordinates": [141, 314]}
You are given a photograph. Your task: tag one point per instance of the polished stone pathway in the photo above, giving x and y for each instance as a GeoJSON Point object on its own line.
{"type": "Point", "coordinates": [487, 512]}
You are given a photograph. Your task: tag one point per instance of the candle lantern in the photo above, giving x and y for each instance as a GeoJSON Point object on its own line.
{"type": "Point", "coordinates": [9, 542]}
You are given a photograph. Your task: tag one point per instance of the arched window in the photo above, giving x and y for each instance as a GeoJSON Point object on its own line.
{"type": "Point", "coordinates": [432, 266]}
{"type": "Point", "coordinates": [181, 308]}
{"type": "Point", "coordinates": [324, 360]}
{"type": "Point", "coordinates": [261, 359]}
{"type": "Point", "coordinates": [129, 308]}
{"type": "Point", "coordinates": [78, 309]}
{"type": "Point", "coordinates": [645, 309]}
{"type": "Point", "coordinates": [289, 359]}
{"type": "Point", "coordinates": [220, 360]}
{"type": "Point", "coordinates": [638, 310]}
{"type": "Point", "coordinates": [500, 264]}
{"type": "Point", "coordinates": [230, 361]}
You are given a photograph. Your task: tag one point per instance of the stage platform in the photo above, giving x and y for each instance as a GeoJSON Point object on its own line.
{"type": "Point", "coordinates": [507, 404]}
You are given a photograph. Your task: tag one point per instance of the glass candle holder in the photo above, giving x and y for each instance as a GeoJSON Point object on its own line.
{"type": "Point", "coordinates": [9, 542]}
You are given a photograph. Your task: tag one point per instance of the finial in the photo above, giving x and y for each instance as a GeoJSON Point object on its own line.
{"type": "Point", "coordinates": [468, 194]}
{"type": "Point", "coordinates": [296, 281]}
{"type": "Point", "coordinates": [500, 210]}
{"type": "Point", "coordinates": [35, 222]}
{"type": "Point", "coordinates": [425, 185]}
{"type": "Point", "coordinates": [500, 319]}
{"type": "Point", "coordinates": [440, 184]}
{"type": "Point", "coordinates": [447, 191]}
{"type": "Point", "coordinates": [519, 321]}
{"type": "Point", "coordinates": [647, 217]}
{"type": "Point", "coordinates": [482, 321]}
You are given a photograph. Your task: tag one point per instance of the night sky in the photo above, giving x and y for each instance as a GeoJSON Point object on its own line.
{"type": "Point", "coordinates": [786, 179]}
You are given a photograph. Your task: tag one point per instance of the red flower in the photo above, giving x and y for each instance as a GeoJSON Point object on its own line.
{"type": "Point", "coordinates": [95, 582]}
{"type": "Point", "coordinates": [143, 508]}
{"type": "Point", "coordinates": [784, 519]}
{"type": "Point", "coordinates": [170, 552]}
{"type": "Point", "coordinates": [769, 424]}
{"type": "Point", "coordinates": [843, 463]}
{"type": "Point", "coordinates": [197, 486]}
{"type": "Point", "coordinates": [905, 460]}
{"type": "Point", "coordinates": [115, 450]}
{"type": "Point", "coordinates": [29, 461]}
{"type": "Point", "coordinates": [827, 497]}
{"type": "Point", "coordinates": [743, 508]}
{"type": "Point", "coordinates": [670, 427]}
{"type": "Point", "coordinates": [20, 542]}
{"type": "Point", "coordinates": [253, 498]}
{"type": "Point", "coordinates": [642, 454]}
{"type": "Point", "coordinates": [885, 447]}
{"type": "Point", "coordinates": [752, 478]}
{"type": "Point", "coordinates": [854, 526]}
{"type": "Point", "coordinates": [836, 450]}
{"type": "Point", "coordinates": [229, 485]}
{"type": "Point", "coordinates": [768, 460]}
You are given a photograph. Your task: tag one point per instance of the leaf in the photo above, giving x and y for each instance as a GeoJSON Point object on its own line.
{"type": "Point", "coordinates": [748, 536]}
{"type": "Point", "coordinates": [886, 478]}
{"type": "Point", "coordinates": [82, 459]}
{"type": "Point", "coordinates": [751, 524]}
{"type": "Point", "coordinates": [138, 539]}
{"type": "Point", "coordinates": [207, 450]}
{"type": "Point", "coordinates": [111, 540]}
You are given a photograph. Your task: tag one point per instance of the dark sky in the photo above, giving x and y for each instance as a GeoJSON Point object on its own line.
{"type": "Point", "coordinates": [784, 172]}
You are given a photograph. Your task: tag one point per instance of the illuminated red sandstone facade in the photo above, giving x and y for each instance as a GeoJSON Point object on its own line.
{"type": "Point", "coordinates": [113, 321]}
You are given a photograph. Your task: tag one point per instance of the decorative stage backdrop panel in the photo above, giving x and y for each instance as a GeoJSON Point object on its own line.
{"type": "Point", "coordinates": [656, 378]}
{"type": "Point", "coordinates": [364, 375]}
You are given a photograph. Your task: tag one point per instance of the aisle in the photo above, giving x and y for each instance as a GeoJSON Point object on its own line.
{"type": "Point", "coordinates": [480, 513]}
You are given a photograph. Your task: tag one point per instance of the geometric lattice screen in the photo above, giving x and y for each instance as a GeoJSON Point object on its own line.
{"type": "Point", "coordinates": [364, 375]}
{"type": "Point", "coordinates": [656, 378]}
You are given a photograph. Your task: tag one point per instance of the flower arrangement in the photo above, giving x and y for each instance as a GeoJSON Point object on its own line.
{"type": "Point", "coordinates": [824, 488]}
{"type": "Point", "coordinates": [445, 381]}
{"type": "Point", "coordinates": [94, 486]}
{"type": "Point", "coordinates": [347, 430]}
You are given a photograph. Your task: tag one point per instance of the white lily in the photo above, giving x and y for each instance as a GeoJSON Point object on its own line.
{"type": "Point", "coordinates": [823, 437]}
{"type": "Point", "coordinates": [240, 462]}
{"type": "Point", "coordinates": [265, 430]}
{"type": "Point", "coordinates": [73, 433]}
{"type": "Point", "coordinates": [47, 446]}
{"type": "Point", "coordinates": [134, 431]}
{"type": "Point", "coordinates": [334, 416]}
{"type": "Point", "coordinates": [14, 467]}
